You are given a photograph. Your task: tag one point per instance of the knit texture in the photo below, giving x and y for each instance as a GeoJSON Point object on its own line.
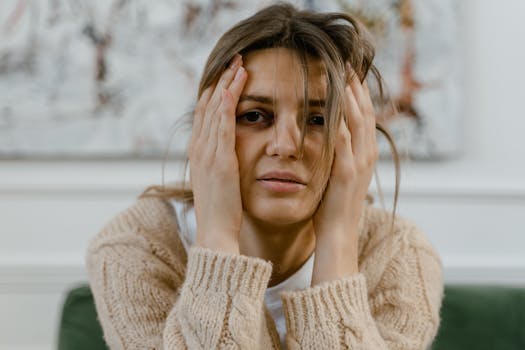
{"type": "Point", "coordinates": [150, 294]}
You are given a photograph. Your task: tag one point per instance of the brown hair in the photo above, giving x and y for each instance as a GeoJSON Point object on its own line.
{"type": "Point", "coordinates": [333, 38]}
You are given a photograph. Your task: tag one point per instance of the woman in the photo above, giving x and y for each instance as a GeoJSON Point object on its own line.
{"type": "Point", "coordinates": [274, 246]}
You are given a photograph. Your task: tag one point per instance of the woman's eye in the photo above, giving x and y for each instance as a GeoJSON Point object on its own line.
{"type": "Point", "coordinates": [317, 119]}
{"type": "Point", "coordinates": [252, 117]}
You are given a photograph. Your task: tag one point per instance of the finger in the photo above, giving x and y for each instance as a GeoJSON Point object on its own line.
{"type": "Point", "coordinates": [212, 129]}
{"type": "Point", "coordinates": [223, 83]}
{"type": "Point", "coordinates": [343, 151]}
{"type": "Point", "coordinates": [370, 117]}
{"type": "Point", "coordinates": [367, 100]}
{"type": "Point", "coordinates": [362, 95]}
{"type": "Point", "coordinates": [226, 130]}
{"type": "Point", "coordinates": [355, 122]}
{"type": "Point", "coordinates": [198, 115]}
{"type": "Point", "coordinates": [210, 120]}
{"type": "Point", "coordinates": [357, 88]}
{"type": "Point", "coordinates": [237, 86]}
{"type": "Point", "coordinates": [222, 122]}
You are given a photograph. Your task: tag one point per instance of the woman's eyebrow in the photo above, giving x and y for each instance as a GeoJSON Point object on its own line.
{"type": "Point", "coordinates": [261, 99]}
{"type": "Point", "coordinates": [269, 101]}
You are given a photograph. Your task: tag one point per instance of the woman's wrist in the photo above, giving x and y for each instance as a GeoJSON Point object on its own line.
{"type": "Point", "coordinates": [220, 243]}
{"type": "Point", "coordinates": [335, 258]}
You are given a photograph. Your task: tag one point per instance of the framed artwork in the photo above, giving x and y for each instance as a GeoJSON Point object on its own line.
{"type": "Point", "coordinates": [109, 79]}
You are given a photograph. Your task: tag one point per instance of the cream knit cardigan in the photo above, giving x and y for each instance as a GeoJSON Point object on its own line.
{"type": "Point", "coordinates": [150, 295]}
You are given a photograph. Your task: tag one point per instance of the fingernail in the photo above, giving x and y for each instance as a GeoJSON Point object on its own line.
{"type": "Point", "coordinates": [238, 75]}
{"type": "Point", "coordinates": [236, 61]}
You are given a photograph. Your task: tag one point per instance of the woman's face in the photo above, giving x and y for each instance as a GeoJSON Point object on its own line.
{"type": "Point", "coordinates": [268, 137]}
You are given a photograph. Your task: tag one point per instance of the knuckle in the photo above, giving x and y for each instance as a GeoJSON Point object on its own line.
{"type": "Point", "coordinates": [199, 109]}
{"type": "Point", "coordinates": [209, 164]}
{"type": "Point", "coordinates": [195, 157]}
{"type": "Point", "coordinates": [203, 158]}
{"type": "Point", "coordinates": [222, 170]}
{"type": "Point", "coordinates": [359, 126]}
{"type": "Point", "coordinates": [351, 172]}
{"type": "Point", "coordinates": [210, 107]}
{"type": "Point", "coordinates": [348, 167]}
{"type": "Point", "coordinates": [369, 161]}
{"type": "Point", "coordinates": [224, 108]}
{"type": "Point", "coordinates": [191, 148]}
{"type": "Point", "coordinates": [197, 112]}
{"type": "Point", "coordinates": [362, 164]}
{"type": "Point", "coordinates": [344, 137]}
{"type": "Point", "coordinates": [226, 77]}
{"type": "Point", "coordinates": [223, 132]}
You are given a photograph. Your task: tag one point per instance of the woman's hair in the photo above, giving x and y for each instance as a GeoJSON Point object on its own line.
{"type": "Point", "coordinates": [332, 38]}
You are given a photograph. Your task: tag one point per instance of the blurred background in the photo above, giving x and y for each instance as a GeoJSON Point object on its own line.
{"type": "Point", "coordinates": [89, 92]}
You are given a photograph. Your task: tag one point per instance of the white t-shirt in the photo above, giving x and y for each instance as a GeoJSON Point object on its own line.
{"type": "Point", "coordinates": [299, 280]}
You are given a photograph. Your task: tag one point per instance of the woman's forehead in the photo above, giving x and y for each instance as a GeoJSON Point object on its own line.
{"type": "Point", "coordinates": [278, 70]}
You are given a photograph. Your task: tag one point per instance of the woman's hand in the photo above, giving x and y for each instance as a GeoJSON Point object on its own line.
{"type": "Point", "coordinates": [214, 169]}
{"type": "Point", "coordinates": [337, 217]}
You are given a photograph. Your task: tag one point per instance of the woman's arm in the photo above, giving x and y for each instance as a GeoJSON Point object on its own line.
{"type": "Point", "coordinates": [219, 304]}
{"type": "Point", "coordinates": [337, 216]}
{"type": "Point", "coordinates": [214, 167]}
{"type": "Point", "coordinates": [147, 297]}
{"type": "Point", "coordinates": [400, 312]}
{"type": "Point", "coordinates": [339, 311]}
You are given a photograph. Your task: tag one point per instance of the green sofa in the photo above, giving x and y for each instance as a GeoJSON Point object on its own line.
{"type": "Point", "coordinates": [473, 317]}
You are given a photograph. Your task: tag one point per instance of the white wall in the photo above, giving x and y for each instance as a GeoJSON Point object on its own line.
{"type": "Point", "coordinates": [471, 207]}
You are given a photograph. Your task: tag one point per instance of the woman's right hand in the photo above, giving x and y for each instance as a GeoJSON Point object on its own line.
{"type": "Point", "coordinates": [214, 169]}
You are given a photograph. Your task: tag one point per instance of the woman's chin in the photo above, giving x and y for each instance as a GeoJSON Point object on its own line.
{"type": "Point", "coordinates": [279, 214]}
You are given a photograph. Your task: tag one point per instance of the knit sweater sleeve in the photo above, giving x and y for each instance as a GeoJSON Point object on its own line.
{"type": "Point", "coordinates": [144, 301]}
{"type": "Point", "coordinates": [220, 304]}
{"type": "Point", "coordinates": [400, 312]}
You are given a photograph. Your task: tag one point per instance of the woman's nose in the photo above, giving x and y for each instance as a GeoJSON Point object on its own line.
{"type": "Point", "coordinates": [285, 138]}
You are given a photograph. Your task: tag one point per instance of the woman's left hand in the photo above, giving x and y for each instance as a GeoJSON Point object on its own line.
{"type": "Point", "coordinates": [337, 217]}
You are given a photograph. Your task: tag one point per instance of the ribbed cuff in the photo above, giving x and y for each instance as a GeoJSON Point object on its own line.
{"type": "Point", "coordinates": [214, 271]}
{"type": "Point", "coordinates": [327, 303]}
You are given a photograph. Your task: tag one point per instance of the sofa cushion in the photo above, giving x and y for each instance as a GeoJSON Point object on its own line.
{"type": "Point", "coordinates": [482, 317]}
{"type": "Point", "coordinates": [472, 317]}
{"type": "Point", "coordinates": [79, 327]}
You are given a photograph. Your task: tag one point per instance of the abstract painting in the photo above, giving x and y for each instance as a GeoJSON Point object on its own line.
{"type": "Point", "coordinates": [110, 78]}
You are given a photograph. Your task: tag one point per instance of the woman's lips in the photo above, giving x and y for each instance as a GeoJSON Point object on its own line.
{"type": "Point", "coordinates": [281, 185]}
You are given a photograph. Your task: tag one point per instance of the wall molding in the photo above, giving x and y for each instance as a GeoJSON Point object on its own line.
{"type": "Point", "coordinates": [39, 278]}
{"type": "Point", "coordinates": [429, 180]}
{"type": "Point", "coordinates": [495, 270]}
{"type": "Point", "coordinates": [436, 182]}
